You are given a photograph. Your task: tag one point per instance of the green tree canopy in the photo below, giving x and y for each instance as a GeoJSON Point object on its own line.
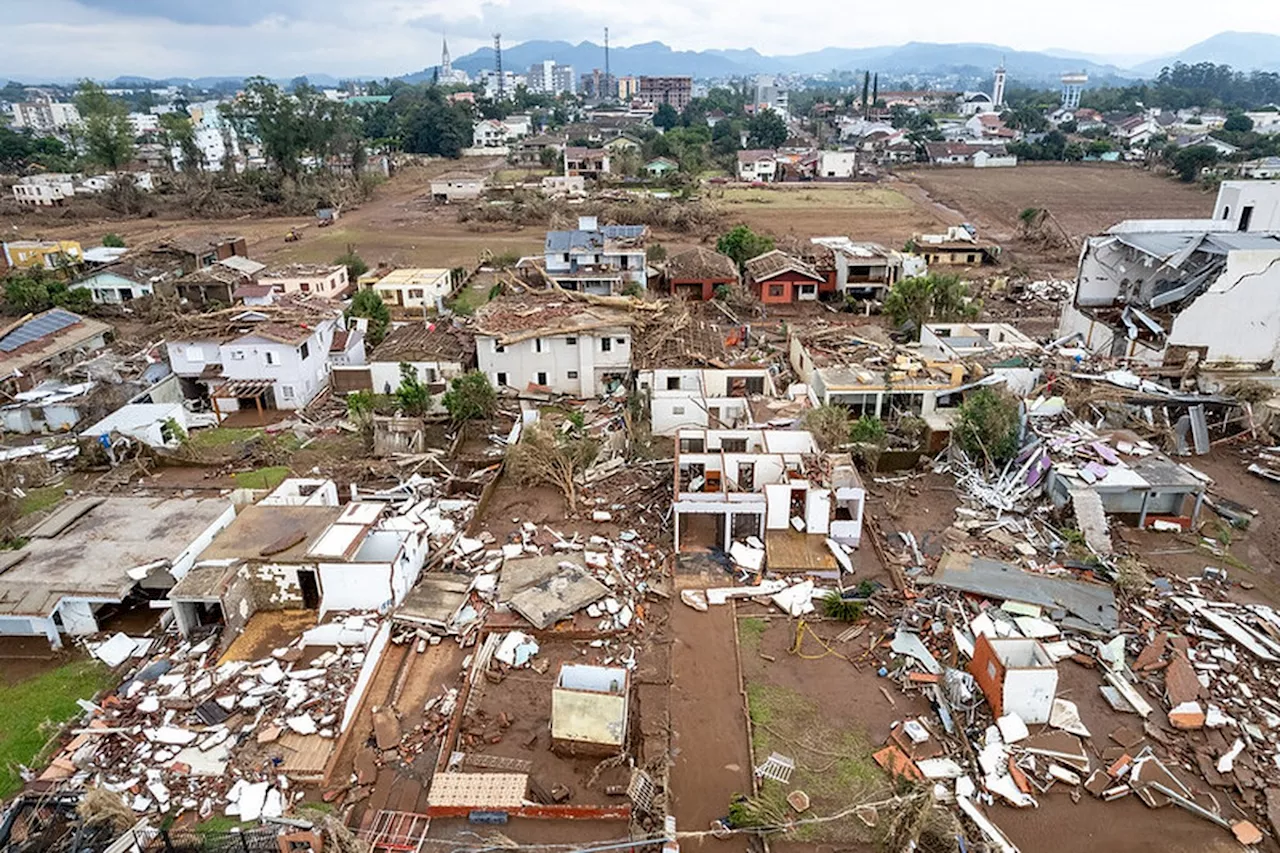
{"type": "Point", "coordinates": [766, 130]}
{"type": "Point", "coordinates": [367, 303]}
{"type": "Point", "coordinates": [470, 398]}
{"type": "Point", "coordinates": [938, 297]}
{"type": "Point", "coordinates": [1189, 161]}
{"type": "Point", "coordinates": [742, 244]}
{"type": "Point", "coordinates": [108, 136]}
{"type": "Point", "coordinates": [666, 117]}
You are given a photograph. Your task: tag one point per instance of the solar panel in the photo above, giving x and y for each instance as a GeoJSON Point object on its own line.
{"type": "Point", "coordinates": [39, 327]}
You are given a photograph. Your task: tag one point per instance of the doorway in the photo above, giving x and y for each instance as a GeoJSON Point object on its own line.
{"type": "Point", "coordinates": [310, 586]}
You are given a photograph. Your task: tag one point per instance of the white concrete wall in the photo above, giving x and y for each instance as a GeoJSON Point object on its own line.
{"type": "Point", "coordinates": [386, 374]}
{"type": "Point", "coordinates": [836, 164]}
{"type": "Point", "coordinates": [1262, 196]}
{"type": "Point", "coordinates": [1238, 317]}
{"type": "Point", "coordinates": [182, 563]}
{"type": "Point", "coordinates": [557, 358]}
{"type": "Point", "coordinates": [355, 586]}
{"type": "Point", "coordinates": [190, 358]}
{"type": "Point", "coordinates": [77, 617]}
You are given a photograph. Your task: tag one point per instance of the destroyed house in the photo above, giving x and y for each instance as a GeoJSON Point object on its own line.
{"type": "Point", "coordinates": [199, 252]}
{"type": "Point", "coordinates": [553, 343]}
{"type": "Point", "coordinates": [35, 348]}
{"type": "Point", "coordinates": [864, 270]}
{"type": "Point", "coordinates": [699, 376]}
{"type": "Point", "coordinates": [1171, 292]}
{"type": "Point", "coordinates": [868, 379]}
{"type": "Point", "coordinates": [973, 340]}
{"type": "Point", "coordinates": [770, 485]}
{"type": "Point", "coordinates": [437, 352]}
{"type": "Point", "coordinates": [286, 557]}
{"type": "Point", "coordinates": [697, 273]}
{"type": "Point", "coordinates": [215, 284]}
{"type": "Point", "coordinates": [597, 259]}
{"type": "Point", "coordinates": [91, 556]}
{"type": "Point", "coordinates": [957, 246]}
{"type": "Point", "coordinates": [275, 356]}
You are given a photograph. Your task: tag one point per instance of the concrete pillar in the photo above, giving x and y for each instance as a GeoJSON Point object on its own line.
{"type": "Point", "coordinates": [1142, 513]}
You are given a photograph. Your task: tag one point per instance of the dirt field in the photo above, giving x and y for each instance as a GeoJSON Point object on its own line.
{"type": "Point", "coordinates": [875, 212]}
{"type": "Point", "coordinates": [1085, 198]}
{"type": "Point", "coordinates": [399, 225]}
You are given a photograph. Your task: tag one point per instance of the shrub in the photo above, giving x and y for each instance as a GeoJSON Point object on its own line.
{"type": "Point", "coordinates": [113, 241]}
{"type": "Point", "coordinates": [987, 427]}
{"type": "Point", "coordinates": [470, 398]}
{"type": "Point", "coordinates": [834, 606]}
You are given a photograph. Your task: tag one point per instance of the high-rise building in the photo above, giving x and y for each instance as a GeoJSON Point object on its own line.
{"type": "Point", "coordinates": [628, 88]}
{"type": "Point", "coordinates": [770, 96]}
{"type": "Point", "coordinates": [550, 78]}
{"type": "Point", "coordinates": [598, 86]}
{"type": "Point", "coordinates": [676, 91]}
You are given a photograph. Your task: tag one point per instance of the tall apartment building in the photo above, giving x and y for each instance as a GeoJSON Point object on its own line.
{"type": "Point", "coordinates": [598, 86]}
{"type": "Point", "coordinates": [676, 91]}
{"type": "Point", "coordinates": [550, 78]}
{"type": "Point", "coordinates": [45, 116]}
{"type": "Point", "coordinates": [628, 88]}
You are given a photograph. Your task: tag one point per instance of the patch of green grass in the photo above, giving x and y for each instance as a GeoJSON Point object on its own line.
{"type": "Point", "coordinates": [262, 478]}
{"type": "Point", "coordinates": [46, 497]}
{"type": "Point", "coordinates": [31, 711]}
{"type": "Point", "coordinates": [222, 436]}
{"type": "Point", "coordinates": [750, 630]}
{"type": "Point", "coordinates": [218, 824]}
{"type": "Point", "coordinates": [470, 298]}
{"type": "Point", "coordinates": [321, 807]}
{"type": "Point", "coordinates": [833, 763]}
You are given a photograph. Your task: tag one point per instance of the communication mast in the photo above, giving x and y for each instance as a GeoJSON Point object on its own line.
{"type": "Point", "coordinates": [497, 58]}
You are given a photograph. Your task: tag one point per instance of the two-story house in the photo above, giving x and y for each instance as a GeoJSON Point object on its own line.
{"type": "Point", "coordinates": [553, 343]}
{"type": "Point", "coordinates": [757, 165]}
{"type": "Point", "coordinates": [585, 162]}
{"type": "Point", "coordinates": [773, 485]}
{"type": "Point", "coordinates": [272, 356]}
{"type": "Point", "coordinates": [597, 259]}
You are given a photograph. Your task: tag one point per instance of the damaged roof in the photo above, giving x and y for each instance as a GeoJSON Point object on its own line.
{"type": "Point", "coordinates": [517, 317]}
{"type": "Point", "coordinates": [701, 264]}
{"type": "Point", "coordinates": [771, 264]}
{"type": "Point", "coordinates": [425, 342]}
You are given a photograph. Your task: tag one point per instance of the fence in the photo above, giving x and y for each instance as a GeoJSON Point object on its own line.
{"type": "Point", "coordinates": [260, 840]}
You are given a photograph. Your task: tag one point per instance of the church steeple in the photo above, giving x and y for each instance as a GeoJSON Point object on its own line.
{"type": "Point", "coordinates": [446, 64]}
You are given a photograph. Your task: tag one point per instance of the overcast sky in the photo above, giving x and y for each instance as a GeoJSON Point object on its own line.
{"type": "Point", "coordinates": [281, 38]}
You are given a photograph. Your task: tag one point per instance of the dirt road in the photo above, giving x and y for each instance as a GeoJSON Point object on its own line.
{"type": "Point", "coordinates": [708, 719]}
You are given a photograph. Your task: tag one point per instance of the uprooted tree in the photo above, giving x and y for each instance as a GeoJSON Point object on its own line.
{"type": "Point", "coordinates": [829, 426]}
{"type": "Point", "coordinates": [546, 455]}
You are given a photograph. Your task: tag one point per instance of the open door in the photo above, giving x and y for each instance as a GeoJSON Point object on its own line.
{"type": "Point", "coordinates": [310, 589]}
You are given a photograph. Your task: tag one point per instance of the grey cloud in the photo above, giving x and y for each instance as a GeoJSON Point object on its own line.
{"type": "Point", "coordinates": [516, 23]}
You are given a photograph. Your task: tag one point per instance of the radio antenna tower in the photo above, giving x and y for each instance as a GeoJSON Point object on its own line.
{"type": "Point", "coordinates": [497, 58]}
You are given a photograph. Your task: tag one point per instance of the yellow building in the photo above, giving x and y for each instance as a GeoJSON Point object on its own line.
{"type": "Point", "coordinates": [43, 254]}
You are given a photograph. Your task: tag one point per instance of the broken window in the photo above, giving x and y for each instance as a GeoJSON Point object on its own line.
{"type": "Point", "coordinates": [733, 445]}
{"type": "Point", "coordinates": [502, 379]}
{"type": "Point", "coordinates": [573, 342]}
{"type": "Point", "coordinates": [606, 344]}
{"type": "Point", "coordinates": [673, 383]}
{"type": "Point", "coordinates": [542, 378]}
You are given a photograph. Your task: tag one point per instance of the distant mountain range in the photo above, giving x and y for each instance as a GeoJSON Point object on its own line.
{"type": "Point", "coordinates": [1242, 51]}
{"type": "Point", "coordinates": [968, 63]}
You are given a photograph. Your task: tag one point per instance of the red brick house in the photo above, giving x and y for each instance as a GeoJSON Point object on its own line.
{"type": "Point", "coordinates": [777, 277]}
{"type": "Point", "coordinates": [695, 274]}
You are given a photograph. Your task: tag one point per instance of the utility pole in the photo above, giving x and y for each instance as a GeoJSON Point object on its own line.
{"type": "Point", "coordinates": [497, 58]}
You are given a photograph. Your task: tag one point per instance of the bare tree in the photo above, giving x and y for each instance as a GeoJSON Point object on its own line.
{"type": "Point", "coordinates": [546, 455]}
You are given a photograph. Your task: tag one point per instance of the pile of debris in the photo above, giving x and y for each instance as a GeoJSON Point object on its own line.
{"type": "Point", "coordinates": [184, 733]}
{"type": "Point", "coordinates": [1003, 733]}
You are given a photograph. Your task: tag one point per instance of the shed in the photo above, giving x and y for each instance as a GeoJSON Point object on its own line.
{"type": "Point", "coordinates": [589, 708]}
{"type": "Point", "coordinates": [1017, 675]}
{"type": "Point", "coordinates": [154, 424]}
